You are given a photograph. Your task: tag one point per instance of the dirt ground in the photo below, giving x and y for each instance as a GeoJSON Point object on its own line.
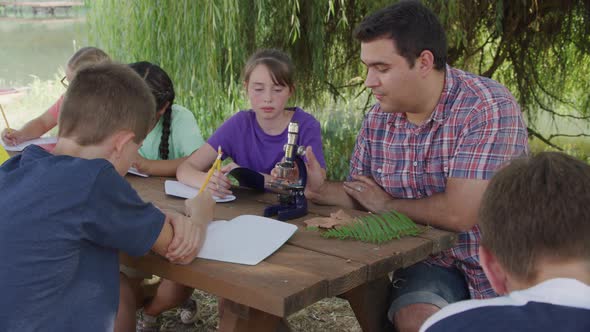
{"type": "Point", "coordinates": [331, 314]}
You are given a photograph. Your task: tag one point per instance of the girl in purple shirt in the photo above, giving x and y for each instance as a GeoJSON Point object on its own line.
{"type": "Point", "coordinates": [255, 138]}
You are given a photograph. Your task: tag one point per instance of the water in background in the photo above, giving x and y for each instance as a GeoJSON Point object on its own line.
{"type": "Point", "coordinates": [37, 46]}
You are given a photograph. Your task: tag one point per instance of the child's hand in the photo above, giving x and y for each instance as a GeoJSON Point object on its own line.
{"type": "Point", "coordinates": [141, 164]}
{"type": "Point", "coordinates": [189, 233]}
{"type": "Point", "coordinates": [185, 239]}
{"type": "Point", "coordinates": [219, 184]}
{"type": "Point", "coordinates": [12, 136]}
{"type": "Point", "coordinates": [200, 208]}
{"type": "Point", "coordinates": [286, 175]}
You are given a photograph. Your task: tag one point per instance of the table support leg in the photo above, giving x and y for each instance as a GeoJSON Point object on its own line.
{"type": "Point", "coordinates": [235, 317]}
{"type": "Point", "coordinates": [370, 303]}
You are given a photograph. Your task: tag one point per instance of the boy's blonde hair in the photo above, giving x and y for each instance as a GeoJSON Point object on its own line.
{"type": "Point", "coordinates": [87, 56]}
{"type": "Point", "coordinates": [104, 99]}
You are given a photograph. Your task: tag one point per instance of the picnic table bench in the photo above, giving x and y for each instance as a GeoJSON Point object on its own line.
{"type": "Point", "coordinates": [308, 268]}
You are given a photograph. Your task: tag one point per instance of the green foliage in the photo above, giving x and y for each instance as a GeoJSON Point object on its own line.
{"type": "Point", "coordinates": [376, 228]}
{"type": "Point", "coordinates": [39, 96]}
{"type": "Point", "coordinates": [538, 49]}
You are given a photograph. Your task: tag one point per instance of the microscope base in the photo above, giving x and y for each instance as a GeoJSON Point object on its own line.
{"type": "Point", "coordinates": [284, 212]}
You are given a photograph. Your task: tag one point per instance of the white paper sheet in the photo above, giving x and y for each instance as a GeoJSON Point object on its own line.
{"type": "Point", "coordinates": [246, 239]}
{"type": "Point", "coordinates": [23, 145]}
{"type": "Point", "coordinates": [134, 171]}
{"type": "Point", "coordinates": [175, 188]}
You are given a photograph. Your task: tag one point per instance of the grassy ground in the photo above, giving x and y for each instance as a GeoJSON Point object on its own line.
{"type": "Point", "coordinates": [40, 96]}
{"type": "Point", "coordinates": [331, 314]}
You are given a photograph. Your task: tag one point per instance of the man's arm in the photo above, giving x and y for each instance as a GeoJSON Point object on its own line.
{"type": "Point", "coordinates": [455, 209]}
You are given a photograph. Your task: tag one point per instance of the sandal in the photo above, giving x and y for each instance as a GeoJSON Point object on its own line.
{"type": "Point", "coordinates": [189, 312]}
{"type": "Point", "coordinates": [147, 323]}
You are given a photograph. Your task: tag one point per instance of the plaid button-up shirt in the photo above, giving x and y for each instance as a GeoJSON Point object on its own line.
{"type": "Point", "coordinates": [476, 127]}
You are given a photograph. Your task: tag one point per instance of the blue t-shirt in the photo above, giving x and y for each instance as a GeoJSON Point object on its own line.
{"type": "Point", "coordinates": [62, 222]}
{"type": "Point", "coordinates": [242, 139]}
{"type": "Point", "coordinates": [554, 305]}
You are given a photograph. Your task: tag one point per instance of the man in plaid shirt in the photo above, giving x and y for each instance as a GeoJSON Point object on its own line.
{"type": "Point", "coordinates": [427, 149]}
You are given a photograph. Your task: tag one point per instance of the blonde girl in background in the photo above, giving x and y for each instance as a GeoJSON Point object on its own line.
{"type": "Point", "coordinates": [48, 120]}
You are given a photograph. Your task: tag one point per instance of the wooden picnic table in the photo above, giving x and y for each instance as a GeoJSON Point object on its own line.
{"type": "Point", "coordinates": [306, 269]}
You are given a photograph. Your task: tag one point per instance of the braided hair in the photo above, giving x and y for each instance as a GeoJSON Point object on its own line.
{"type": "Point", "coordinates": [163, 90]}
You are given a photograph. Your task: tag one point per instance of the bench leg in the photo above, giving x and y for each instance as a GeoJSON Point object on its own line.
{"type": "Point", "coordinates": [234, 317]}
{"type": "Point", "coordinates": [370, 303]}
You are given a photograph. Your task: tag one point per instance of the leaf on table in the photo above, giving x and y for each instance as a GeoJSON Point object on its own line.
{"type": "Point", "coordinates": [343, 217]}
{"type": "Point", "coordinates": [336, 219]}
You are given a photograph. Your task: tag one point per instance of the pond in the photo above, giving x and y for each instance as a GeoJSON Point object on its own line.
{"type": "Point", "coordinates": [37, 46]}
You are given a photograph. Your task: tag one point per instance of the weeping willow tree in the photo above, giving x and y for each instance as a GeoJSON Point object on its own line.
{"type": "Point", "coordinates": [539, 49]}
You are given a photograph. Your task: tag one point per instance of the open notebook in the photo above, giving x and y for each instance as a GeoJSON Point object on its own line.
{"type": "Point", "coordinates": [246, 239]}
{"type": "Point", "coordinates": [134, 171]}
{"type": "Point", "coordinates": [175, 188]}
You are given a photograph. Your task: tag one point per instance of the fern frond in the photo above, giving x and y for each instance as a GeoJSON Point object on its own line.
{"type": "Point", "coordinates": [376, 228]}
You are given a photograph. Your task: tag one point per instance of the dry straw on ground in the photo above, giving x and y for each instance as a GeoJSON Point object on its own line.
{"type": "Point", "coordinates": [331, 314]}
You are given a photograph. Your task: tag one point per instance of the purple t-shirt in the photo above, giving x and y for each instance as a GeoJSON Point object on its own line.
{"type": "Point", "coordinates": [242, 139]}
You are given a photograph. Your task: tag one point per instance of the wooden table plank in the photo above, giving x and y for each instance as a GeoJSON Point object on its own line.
{"type": "Point", "coordinates": [413, 249]}
{"type": "Point", "coordinates": [341, 275]}
{"type": "Point", "coordinates": [272, 288]}
{"type": "Point", "coordinates": [380, 259]}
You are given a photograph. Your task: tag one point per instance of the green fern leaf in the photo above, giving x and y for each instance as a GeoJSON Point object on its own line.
{"type": "Point", "coordinates": [376, 228]}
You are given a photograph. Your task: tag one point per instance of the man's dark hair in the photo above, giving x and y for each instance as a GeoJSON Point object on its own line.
{"type": "Point", "coordinates": [412, 27]}
{"type": "Point", "coordinates": [536, 209]}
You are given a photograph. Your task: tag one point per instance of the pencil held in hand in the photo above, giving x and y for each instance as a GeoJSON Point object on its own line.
{"type": "Point", "coordinates": [216, 166]}
{"type": "Point", "coordinates": [5, 119]}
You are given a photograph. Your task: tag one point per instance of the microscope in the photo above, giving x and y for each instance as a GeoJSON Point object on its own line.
{"type": "Point", "coordinates": [290, 185]}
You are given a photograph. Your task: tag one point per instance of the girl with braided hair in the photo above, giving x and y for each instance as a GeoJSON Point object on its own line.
{"type": "Point", "coordinates": [174, 137]}
{"type": "Point", "coordinates": [176, 133]}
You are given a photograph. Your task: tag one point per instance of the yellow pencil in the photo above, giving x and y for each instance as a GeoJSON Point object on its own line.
{"type": "Point", "coordinates": [219, 158]}
{"type": "Point", "coordinates": [216, 166]}
{"type": "Point", "coordinates": [5, 119]}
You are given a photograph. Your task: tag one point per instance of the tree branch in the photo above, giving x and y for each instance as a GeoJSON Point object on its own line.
{"type": "Point", "coordinates": [552, 136]}
{"type": "Point", "coordinates": [542, 138]}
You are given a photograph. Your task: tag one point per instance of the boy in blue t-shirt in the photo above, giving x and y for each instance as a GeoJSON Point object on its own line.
{"type": "Point", "coordinates": [65, 215]}
{"type": "Point", "coordinates": [535, 251]}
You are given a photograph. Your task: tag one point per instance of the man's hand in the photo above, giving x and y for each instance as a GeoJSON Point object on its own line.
{"type": "Point", "coordinates": [315, 175]}
{"type": "Point", "coordinates": [368, 193]}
